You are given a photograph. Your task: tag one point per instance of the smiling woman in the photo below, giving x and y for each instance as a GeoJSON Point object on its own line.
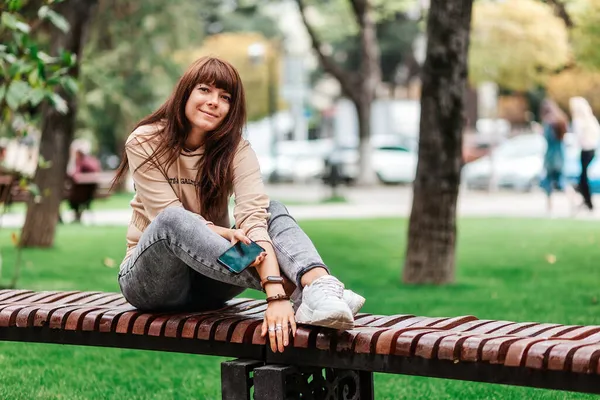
{"type": "Point", "coordinates": [186, 160]}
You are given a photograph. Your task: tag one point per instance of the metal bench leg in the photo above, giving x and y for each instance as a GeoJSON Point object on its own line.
{"type": "Point", "coordinates": [281, 382]}
{"type": "Point", "coordinates": [236, 380]}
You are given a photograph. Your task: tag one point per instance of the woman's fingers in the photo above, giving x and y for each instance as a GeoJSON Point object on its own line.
{"type": "Point", "coordinates": [239, 236]}
{"type": "Point", "coordinates": [285, 333]}
{"type": "Point", "coordinates": [272, 337]}
{"type": "Point", "coordinates": [279, 334]}
{"type": "Point", "coordinates": [293, 325]}
{"type": "Point", "coordinates": [263, 332]}
{"type": "Point", "coordinates": [260, 258]}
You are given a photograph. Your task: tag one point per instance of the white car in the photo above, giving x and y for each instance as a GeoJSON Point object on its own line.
{"type": "Point", "coordinates": [516, 164]}
{"type": "Point", "coordinates": [392, 164]}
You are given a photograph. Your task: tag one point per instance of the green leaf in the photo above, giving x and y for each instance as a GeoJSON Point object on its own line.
{"type": "Point", "coordinates": [17, 94]}
{"type": "Point", "coordinates": [34, 77]}
{"type": "Point", "coordinates": [59, 103]}
{"type": "Point", "coordinates": [45, 58]}
{"type": "Point", "coordinates": [43, 12]}
{"type": "Point", "coordinates": [33, 189]}
{"type": "Point", "coordinates": [70, 85]}
{"type": "Point", "coordinates": [58, 20]}
{"type": "Point", "coordinates": [13, 23]}
{"type": "Point", "coordinates": [43, 163]}
{"type": "Point", "coordinates": [36, 96]}
{"type": "Point", "coordinates": [15, 5]}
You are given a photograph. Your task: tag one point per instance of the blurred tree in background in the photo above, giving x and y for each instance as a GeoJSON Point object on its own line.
{"type": "Point", "coordinates": [257, 75]}
{"type": "Point", "coordinates": [586, 35]}
{"type": "Point", "coordinates": [128, 67]}
{"type": "Point", "coordinates": [576, 82]}
{"type": "Point", "coordinates": [135, 57]}
{"type": "Point", "coordinates": [396, 31]}
{"type": "Point", "coordinates": [58, 127]}
{"type": "Point", "coordinates": [517, 44]}
{"type": "Point", "coordinates": [28, 74]}
{"type": "Point", "coordinates": [431, 249]}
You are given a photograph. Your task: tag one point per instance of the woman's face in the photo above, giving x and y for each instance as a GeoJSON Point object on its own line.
{"type": "Point", "coordinates": [207, 107]}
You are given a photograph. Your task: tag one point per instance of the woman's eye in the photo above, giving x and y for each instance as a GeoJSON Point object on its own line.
{"type": "Point", "coordinates": [203, 89]}
{"type": "Point", "coordinates": [227, 98]}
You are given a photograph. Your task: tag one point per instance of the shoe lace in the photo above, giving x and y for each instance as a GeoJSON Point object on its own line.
{"type": "Point", "coordinates": [331, 287]}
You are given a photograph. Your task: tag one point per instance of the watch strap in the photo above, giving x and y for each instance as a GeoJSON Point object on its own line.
{"type": "Point", "coordinates": [271, 279]}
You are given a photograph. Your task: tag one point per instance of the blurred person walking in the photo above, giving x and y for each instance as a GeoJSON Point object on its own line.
{"type": "Point", "coordinates": [555, 123]}
{"type": "Point", "coordinates": [587, 130]}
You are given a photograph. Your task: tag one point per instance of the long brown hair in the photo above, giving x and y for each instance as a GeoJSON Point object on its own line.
{"type": "Point", "coordinates": [215, 174]}
{"type": "Point", "coordinates": [551, 114]}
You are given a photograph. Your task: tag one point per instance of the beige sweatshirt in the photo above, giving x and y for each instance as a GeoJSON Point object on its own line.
{"type": "Point", "coordinates": [155, 192]}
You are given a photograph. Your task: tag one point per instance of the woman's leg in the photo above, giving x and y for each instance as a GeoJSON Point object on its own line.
{"type": "Point", "coordinates": [175, 265]}
{"type": "Point", "coordinates": [296, 253]}
{"type": "Point", "coordinates": [584, 183]}
{"type": "Point", "coordinates": [300, 262]}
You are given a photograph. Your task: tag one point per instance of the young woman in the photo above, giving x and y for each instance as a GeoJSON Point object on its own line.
{"type": "Point", "coordinates": [187, 159]}
{"type": "Point", "coordinates": [587, 129]}
{"type": "Point", "coordinates": [555, 123]}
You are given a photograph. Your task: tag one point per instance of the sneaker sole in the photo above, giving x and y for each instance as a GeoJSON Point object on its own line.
{"type": "Point", "coordinates": [337, 320]}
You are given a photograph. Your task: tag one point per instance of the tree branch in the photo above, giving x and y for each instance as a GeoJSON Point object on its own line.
{"type": "Point", "coordinates": [345, 78]}
{"type": "Point", "coordinates": [561, 11]}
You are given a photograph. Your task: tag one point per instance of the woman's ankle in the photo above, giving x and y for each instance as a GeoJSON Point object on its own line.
{"type": "Point", "coordinates": [313, 274]}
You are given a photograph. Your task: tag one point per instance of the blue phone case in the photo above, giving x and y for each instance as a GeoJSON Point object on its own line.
{"type": "Point", "coordinates": [239, 256]}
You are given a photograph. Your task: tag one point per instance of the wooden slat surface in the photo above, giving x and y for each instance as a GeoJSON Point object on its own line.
{"type": "Point", "coordinates": [537, 346]}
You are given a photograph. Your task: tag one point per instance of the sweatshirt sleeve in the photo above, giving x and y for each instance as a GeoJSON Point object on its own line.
{"type": "Point", "coordinates": [151, 186]}
{"type": "Point", "coordinates": [251, 201]}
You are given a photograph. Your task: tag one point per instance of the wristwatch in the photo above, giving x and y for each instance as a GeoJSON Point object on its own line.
{"type": "Point", "coordinates": [271, 279]}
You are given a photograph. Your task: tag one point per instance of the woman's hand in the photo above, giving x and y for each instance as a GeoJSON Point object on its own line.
{"type": "Point", "coordinates": [238, 235]}
{"type": "Point", "coordinates": [279, 318]}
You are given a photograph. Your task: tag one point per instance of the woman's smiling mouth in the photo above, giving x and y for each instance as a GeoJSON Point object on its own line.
{"type": "Point", "coordinates": [209, 114]}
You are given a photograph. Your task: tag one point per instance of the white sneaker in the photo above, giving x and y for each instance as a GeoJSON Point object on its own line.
{"type": "Point", "coordinates": [323, 305]}
{"type": "Point", "coordinates": [354, 300]}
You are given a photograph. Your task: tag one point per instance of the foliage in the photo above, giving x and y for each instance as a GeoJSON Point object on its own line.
{"type": "Point", "coordinates": [586, 35]}
{"type": "Point", "coordinates": [257, 74]}
{"type": "Point", "coordinates": [335, 23]}
{"type": "Point", "coordinates": [516, 43]}
{"type": "Point", "coordinates": [576, 82]}
{"type": "Point", "coordinates": [504, 274]}
{"type": "Point", "coordinates": [128, 68]}
{"type": "Point", "coordinates": [28, 74]}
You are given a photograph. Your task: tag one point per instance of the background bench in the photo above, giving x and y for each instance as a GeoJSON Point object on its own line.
{"type": "Point", "coordinates": [319, 360]}
{"type": "Point", "coordinates": [82, 189]}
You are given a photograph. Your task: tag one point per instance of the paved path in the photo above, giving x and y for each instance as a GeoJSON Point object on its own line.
{"type": "Point", "coordinates": [304, 202]}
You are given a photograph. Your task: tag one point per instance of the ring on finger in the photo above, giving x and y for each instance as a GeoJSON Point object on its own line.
{"type": "Point", "coordinates": [271, 329]}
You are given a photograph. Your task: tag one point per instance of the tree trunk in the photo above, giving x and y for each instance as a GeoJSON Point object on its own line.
{"type": "Point", "coordinates": [360, 86]}
{"type": "Point", "coordinates": [370, 78]}
{"type": "Point", "coordinates": [366, 175]}
{"type": "Point", "coordinates": [57, 133]}
{"type": "Point", "coordinates": [430, 256]}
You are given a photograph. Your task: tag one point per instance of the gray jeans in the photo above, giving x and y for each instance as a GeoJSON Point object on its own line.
{"type": "Point", "coordinates": [174, 265]}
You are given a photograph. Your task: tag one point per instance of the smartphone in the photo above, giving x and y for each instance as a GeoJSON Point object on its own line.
{"type": "Point", "coordinates": [240, 256]}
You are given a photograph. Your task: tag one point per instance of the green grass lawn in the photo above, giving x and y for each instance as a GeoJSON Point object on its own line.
{"type": "Point", "coordinates": [519, 270]}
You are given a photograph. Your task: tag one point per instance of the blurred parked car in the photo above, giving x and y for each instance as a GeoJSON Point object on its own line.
{"type": "Point", "coordinates": [518, 165]}
{"type": "Point", "coordinates": [296, 161]}
{"type": "Point", "coordinates": [392, 164]}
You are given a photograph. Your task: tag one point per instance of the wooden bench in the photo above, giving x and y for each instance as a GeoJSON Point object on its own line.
{"type": "Point", "coordinates": [319, 360]}
{"type": "Point", "coordinates": [82, 189]}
